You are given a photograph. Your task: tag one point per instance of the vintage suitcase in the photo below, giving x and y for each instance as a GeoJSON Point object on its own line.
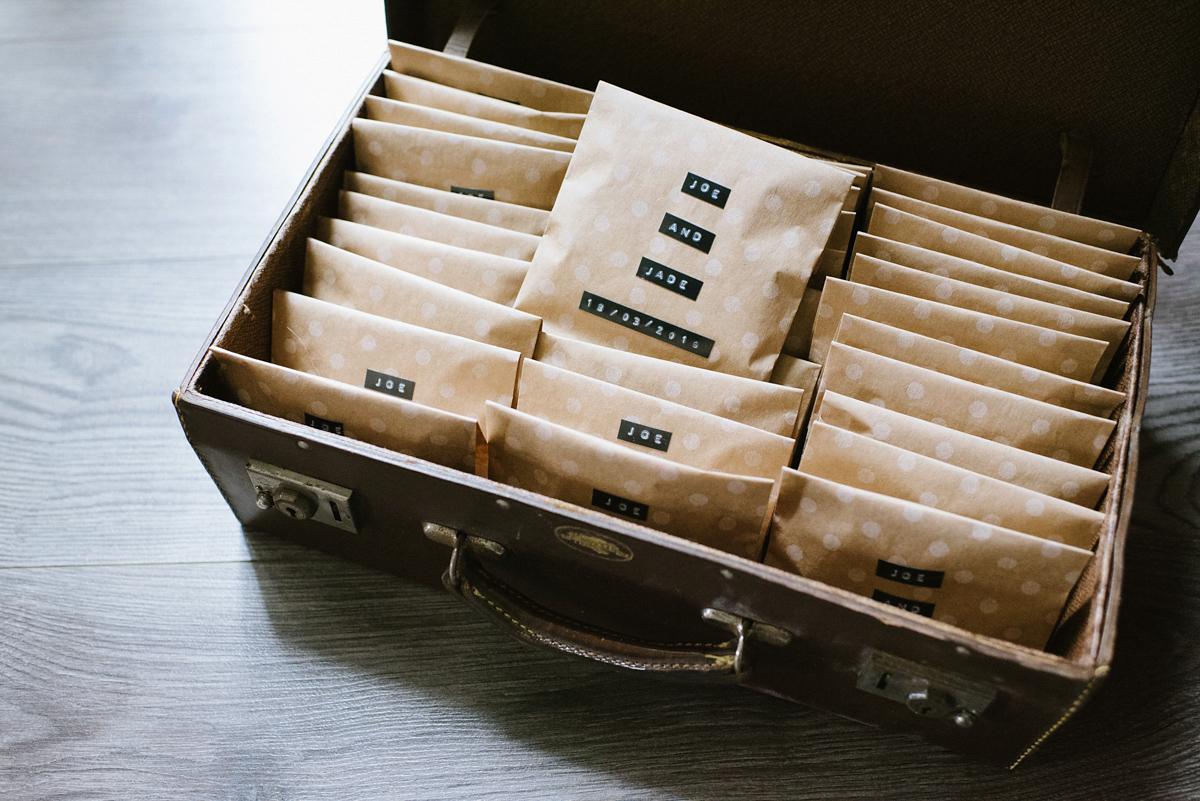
{"type": "Point", "coordinates": [1032, 100]}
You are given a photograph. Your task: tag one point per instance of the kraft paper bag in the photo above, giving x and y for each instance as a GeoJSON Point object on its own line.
{"type": "Point", "coordinates": [428, 367]}
{"type": "Point", "coordinates": [661, 428]}
{"type": "Point", "coordinates": [347, 279]}
{"type": "Point", "coordinates": [722, 511]}
{"type": "Point", "coordinates": [862, 462]}
{"type": "Point", "coordinates": [979, 368]}
{"type": "Point", "coordinates": [1109, 236]}
{"type": "Point", "coordinates": [679, 238]}
{"type": "Point", "coordinates": [529, 176]}
{"type": "Point", "coordinates": [1088, 257]}
{"type": "Point", "coordinates": [799, 373]}
{"type": "Point", "coordinates": [772, 408]}
{"type": "Point", "coordinates": [947, 266]}
{"type": "Point", "coordinates": [486, 79]}
{"type": "Point", "coordinates": [907, 281]}
{"type": "Point", "coordinates": [982, 578]}
{"type": "Point", "coordinates": [495, 278]}
{"type": "Point", "coordinates": [431, 434]}
{"type": "Point", "coordinates": [831, 264]}
{"type": "Point", "coordinates": [409, 89]}
{"type": "Point", "coordinates": [892, 223]}
{"type": "Point", "coordinates": [799, 336]}
{"type": "Point", "coordinates": [436, 227]}
{"type": "Point", "coordinates": [493, 212]}
{"type": "Point", "coordinates": [1012, 419]}
{"type": "Point", "coordinates": [417, 116]}
{"type": "Point", "coordinates": [1033, 346]}
{"type": "Point", "coordinates": [1041, 474]}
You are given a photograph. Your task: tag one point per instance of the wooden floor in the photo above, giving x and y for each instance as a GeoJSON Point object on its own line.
{"type": "Point", "coordinates": [149, 648]}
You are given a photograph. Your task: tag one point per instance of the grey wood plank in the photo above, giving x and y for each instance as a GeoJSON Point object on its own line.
{"type": "Point", "coordinates": [96, 467]}
{"type": "Point", "coordinates": [138, 130]}
{"type": "Point", "coordinates": [315, 679]}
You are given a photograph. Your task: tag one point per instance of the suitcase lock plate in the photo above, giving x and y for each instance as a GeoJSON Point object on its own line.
{"type": "Point", "coordinates": [927, 691]}
{"type": "Point", "coordinates": [301, 497]}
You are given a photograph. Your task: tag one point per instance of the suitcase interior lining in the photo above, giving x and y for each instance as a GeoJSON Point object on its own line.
{"type": "Point", "coordinates": [246, 329]}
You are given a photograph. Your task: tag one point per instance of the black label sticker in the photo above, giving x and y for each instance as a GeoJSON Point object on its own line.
{"type": "Point", "coordinates": [920, 607]}
{"type": "Point", "coordinates": [321, 423]}
{"type": "Point", "coordinates": [639, 434]}
{"type": "Point", "coordinates": [706, 190]}
{"type": "Point", "coordinates": [647, 324]}
{"type": "Point", "coordinates": [664, 276]}
{"type": "Point", "coordinates": [685, 232]}
{"type": "Point", "coordinates": [909, 575]}
{"type": "Point", "coordinates": [389, 384]}
{"type": "Point", "coordinates": [618, 505]}
{"type": "Point", "coordinates": [487, 194]}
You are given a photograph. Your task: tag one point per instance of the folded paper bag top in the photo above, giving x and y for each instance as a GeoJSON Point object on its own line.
{"type": "Point", "coordinates": [979, 368]}
{"type": "Point", "coordinates": [487, 79]}
{"type": "Point", "coordinates": [947, 266]}
{"type": "Point", "coordinates": [1031, 345]}
{"type": "Point", "coordinates": [857, 460]}
{"type": "Point", "coordinates": [503, 171]}
{"type": "Point", "coordinates": [411, 89]}
{"type": "Point", "coordinates": [418, 364]}
{"type": "Point", "coordinates": [661, 428]}
{"type": "Point", "coordinates": [678, 238]}
{"type": "Point", "coordinates": [770, 407]}
{"type": "Point", "coordinates": [1013, 419]}
{"type": "Point", "coordinates": [723, 511]}
{"type": "Point", "coordinates": [1087, 257]}
{"type": "Point", "coordinates": [983, 578]}
{"type": "Point", "coordinates": [1043, 474]}
{"type": "Point", "coordinates": [436, 227]}
{"type": "Point", "coordinates": [347, 279]}
{"type": "Point", "coordinates": [418, 116]}
{"type": "Point", "coordinates": [493, 212]}
{"type": "Point", "coordinates": [870, 271]}
{"type": "Point", "coordinates": [1035, 217]}
{"type": "Point", "coordinates": [895, 224]}
{"type": "Point", "coordinates": [390, 422]}
{"type": "Point", "coordinates": [496, 278]}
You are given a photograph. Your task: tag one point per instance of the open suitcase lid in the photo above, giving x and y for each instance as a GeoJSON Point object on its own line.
{"type": "Point", "coordinates": [977, 93]}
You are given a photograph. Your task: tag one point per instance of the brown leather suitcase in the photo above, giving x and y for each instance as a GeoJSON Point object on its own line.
{"type": "Point", "coordinates": [1030, 99]}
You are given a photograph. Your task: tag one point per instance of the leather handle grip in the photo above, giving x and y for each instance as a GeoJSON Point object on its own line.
{"type": "Point", "coordinates": [531, 623]}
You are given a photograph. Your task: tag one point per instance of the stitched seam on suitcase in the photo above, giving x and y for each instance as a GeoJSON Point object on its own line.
{"type": "Point", "coordinates": [1083, 696]}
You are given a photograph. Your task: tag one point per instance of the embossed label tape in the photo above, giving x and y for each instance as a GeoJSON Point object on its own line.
{"type": "Point", "coordinates": [487, 194]}
{"type": "Point", "coordinates": [321, 423]}
{"type": "Point", "coordinates": [646, 324]}
{"type": "Point", "coordinates": [619, 505]}
{"type": "Point", "coordinates": [708, 191]}
{"type": "Point", "coordinates": [389, 384]}
{"type": "Point", "coordinates": [639, 434]}
{"type": "Point", "coordinates": [683, 231]}
{"type": "Point", "coordinates": [920, 607]}
{"type": "Point", "coordinates": [909, 575]}
{"type": "Point", "coordinates": [664, 276]}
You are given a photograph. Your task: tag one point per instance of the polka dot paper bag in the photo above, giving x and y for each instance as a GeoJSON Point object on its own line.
{"type": "Point", "coordinates": [642, 422]}
{"type": "Point", "coordinates": [347, 279]}
{"type": "Point", "coordinates": [373, 417]}
{"type": "Point", "coordinates": [756, 403]}
{"type": "Point", "coordinates": [983, 578]}
{"type": "Point", "coordinates": [427, 367]}
{"type": "Point", "coordinates": [723, 511]}
{"type": "Point", "coordinates": [1042, 474]}
{"type": "Point", "coordinates": [679, 238]}
{"type": "Point", "coordinates": [493, 212]}
{"type": "Point", "coordinates": [410, 89]}
{"type": "Point", "coordinates": [417, 116]}
{"type": "Point", "coordinates": [943, 264]}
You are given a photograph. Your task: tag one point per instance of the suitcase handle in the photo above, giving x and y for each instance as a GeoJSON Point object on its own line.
{"type": "Point", "coordinates": [528, 621]}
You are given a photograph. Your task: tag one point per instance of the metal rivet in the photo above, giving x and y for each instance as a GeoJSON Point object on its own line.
{"type": "Point", "coordinates": [302, 445]}
{"type": "Point", "coordinates": [962, 650]}
{"type": "Point", "coordinates": [503, 504]}
{"type": "Point", "coordinates": [264, 499]}
{"type": "Point", "coordinates": [964, 719]}
{"type": "Point", "coordinates": [726, 573]}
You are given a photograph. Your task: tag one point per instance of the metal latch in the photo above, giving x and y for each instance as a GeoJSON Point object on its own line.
{"type": "Point", "coordinates": [927, 691]}
{"type": "Point", "coordinates": [301, 497]}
